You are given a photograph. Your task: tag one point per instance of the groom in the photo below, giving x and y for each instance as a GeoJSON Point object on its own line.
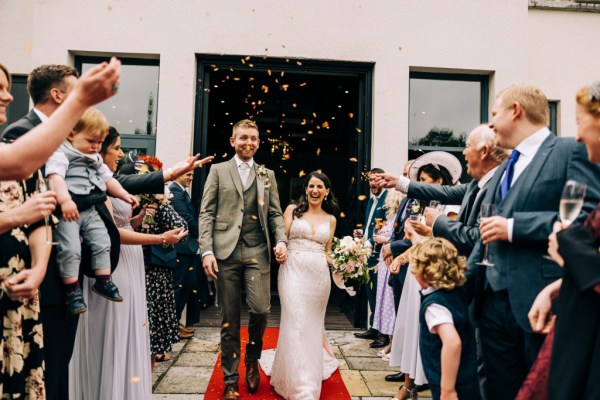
{"type": "Point", "coordinates": [240, 209]}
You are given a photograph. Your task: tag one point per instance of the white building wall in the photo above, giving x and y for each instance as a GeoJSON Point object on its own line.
{"type": "Point", "coordinates": [563, 56]}
{"type": "Point", "coordinates": [396, 35]}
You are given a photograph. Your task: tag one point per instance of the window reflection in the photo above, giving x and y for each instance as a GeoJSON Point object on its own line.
{"type": "Point", "coordinates": [443, 111]}
{"type": "Point", "coordinates": [134, 109]}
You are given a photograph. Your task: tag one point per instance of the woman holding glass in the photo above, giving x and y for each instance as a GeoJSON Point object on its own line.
{"type": "Point", "coordinates": [24, 257]}
{"type": "Point", "coordinates": [405, 344]}
{"type": "Point", "coordinates": [575, 359]}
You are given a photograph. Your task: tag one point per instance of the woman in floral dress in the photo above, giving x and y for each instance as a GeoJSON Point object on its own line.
{"type": "Point", "coordinates": [23, 259]}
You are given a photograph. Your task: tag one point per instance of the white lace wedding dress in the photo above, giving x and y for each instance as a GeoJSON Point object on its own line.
{"type": "Point", "coordinates": [303, 358]}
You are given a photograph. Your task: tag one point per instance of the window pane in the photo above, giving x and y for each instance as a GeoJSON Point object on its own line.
{"type": "Point", "coordinates": [133, 109]}
{"type": "Point", "coordinates": [553, 123]}
{"type": "Point", "coordinates": [442, 112]}
{"type": "Point", "coordinates": [20, 104]}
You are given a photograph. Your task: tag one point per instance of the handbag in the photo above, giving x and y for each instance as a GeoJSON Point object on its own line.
{"type": "Point", "coordinates": [160, 256]}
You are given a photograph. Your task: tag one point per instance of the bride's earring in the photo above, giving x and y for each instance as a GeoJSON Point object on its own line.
{"type": "Point", "coordinates": [325, 198]}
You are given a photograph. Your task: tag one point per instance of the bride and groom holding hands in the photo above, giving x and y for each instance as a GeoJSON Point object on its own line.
{"type": "Point", "coordinates": [240, 211]}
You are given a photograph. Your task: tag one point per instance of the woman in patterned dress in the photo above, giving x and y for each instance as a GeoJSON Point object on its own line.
{"type": "Point", "coordinates": [23, 259]}
{"type": "Point", "coordinates": [162, 317]}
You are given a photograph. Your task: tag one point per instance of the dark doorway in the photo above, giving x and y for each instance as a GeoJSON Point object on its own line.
{"type": "Point", "coordinates": [312, 115]}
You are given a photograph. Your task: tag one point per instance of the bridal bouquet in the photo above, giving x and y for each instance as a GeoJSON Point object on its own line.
{"type": "Point", "coordinates": [350, 261]}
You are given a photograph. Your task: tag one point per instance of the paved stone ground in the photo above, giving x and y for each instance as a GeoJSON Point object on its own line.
{"type": "Point", "coordinates": [186, 376]}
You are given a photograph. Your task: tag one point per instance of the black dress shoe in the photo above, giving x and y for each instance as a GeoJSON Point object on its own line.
{"type": "Point", "coordinates": [399, 377]}
{"type": "Point", "coordinates": [422, 388]}
{"type": "Point", "coordinates": [381, 341]}
{"type": "Point", "coordinates": [370, 335]}
{"type": "Point", "coordinates": [230, 393]}
{"type": "Point", "coordinates": [252, 375]}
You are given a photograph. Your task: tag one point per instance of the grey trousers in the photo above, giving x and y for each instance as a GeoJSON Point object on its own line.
{"type": "Point", "coordinates": [248, 266]}
{"type": "Point", "coordinates": [93, 231]}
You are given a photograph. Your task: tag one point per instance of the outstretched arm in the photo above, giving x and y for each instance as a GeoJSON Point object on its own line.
{"type": "Point", "coordinates": [21, 158]}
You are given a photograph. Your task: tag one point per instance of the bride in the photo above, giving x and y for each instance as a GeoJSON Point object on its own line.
{"type": "Point", "coordinates": [303, 357]}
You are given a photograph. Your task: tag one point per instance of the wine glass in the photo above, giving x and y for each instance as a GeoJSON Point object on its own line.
{"type": "Point", "coordinates": [434, 204]}
{"type": "Point", "coordinates": [571, 201]}
{"type": "Point", "coordinates": [487, 210]}
{"type": "Point", "coordinates": [43, 185]}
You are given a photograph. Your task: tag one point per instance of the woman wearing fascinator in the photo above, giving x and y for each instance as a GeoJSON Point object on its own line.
{"type": "Point", "coordinates": [303, 358]}
{"type": "Point", "coordinates": [439, 168]}
{"type": "Point", "coordinates": [568, 364]}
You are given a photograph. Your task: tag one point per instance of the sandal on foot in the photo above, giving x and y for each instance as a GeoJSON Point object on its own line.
{"type": "Point", "coordinates": [162, 357]}
{"type": "Point", "coordinates": [412, 393]}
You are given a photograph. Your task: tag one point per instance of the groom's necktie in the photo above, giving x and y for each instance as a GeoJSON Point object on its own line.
{"type": "Point", "coordinates": [510, 171]}
{"type": "Point", "coordinates": [244, 172]}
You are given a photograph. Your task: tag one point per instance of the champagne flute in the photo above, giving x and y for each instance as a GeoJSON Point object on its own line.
{"type": "Point", "coordinates": [571, 201]}
{"type": "Point", "coordinates": [487, 210]}
{"type": "Point", "coordinates": [434, 204]}
{"type": "Point", "coordinates": [42, 185]}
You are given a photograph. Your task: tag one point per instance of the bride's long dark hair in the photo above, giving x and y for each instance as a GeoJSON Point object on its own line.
{"type": "Point", "coordinates": [329, 205]}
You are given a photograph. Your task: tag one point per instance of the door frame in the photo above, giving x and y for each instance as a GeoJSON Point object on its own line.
{"type": "Point", "coordinates": [357, 306]}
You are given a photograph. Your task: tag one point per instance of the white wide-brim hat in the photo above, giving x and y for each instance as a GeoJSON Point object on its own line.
{"type": "Point", "coordinates": [437, 158]}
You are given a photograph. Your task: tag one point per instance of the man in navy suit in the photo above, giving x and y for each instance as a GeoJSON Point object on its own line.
{"type": "Point", "coordinates": [375, 211]}
{"type": "Point", "coordinates": [185, 277]}
{"type": "Point", "coordinates": [526, 191]}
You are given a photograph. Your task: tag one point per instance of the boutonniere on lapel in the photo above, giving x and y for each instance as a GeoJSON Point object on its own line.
{"type": "Point", "coordinates": [261, 171]}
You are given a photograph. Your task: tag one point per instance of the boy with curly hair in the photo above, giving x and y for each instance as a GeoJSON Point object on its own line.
{"type": "Point", "coordinates": [447, 338]}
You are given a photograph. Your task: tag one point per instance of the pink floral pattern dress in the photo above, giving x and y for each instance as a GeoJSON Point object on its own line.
{"type": "Point", "coordinates": [21, 342]}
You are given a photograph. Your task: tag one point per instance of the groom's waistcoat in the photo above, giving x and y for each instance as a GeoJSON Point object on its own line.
{"type": "Point", "coordinates": [251, 232]}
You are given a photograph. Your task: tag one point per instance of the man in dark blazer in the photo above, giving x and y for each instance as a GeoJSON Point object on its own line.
{"type": "Point", "coordinates": [49, 86]}
{"type": "Point", "coordinates": [375, 211]}
{"type": "Point", "coordinates": [526, 191]}
{"type": "Point", "coordinates": [483, 157]}
{"type": "Point", "coordinates": [185, 275]}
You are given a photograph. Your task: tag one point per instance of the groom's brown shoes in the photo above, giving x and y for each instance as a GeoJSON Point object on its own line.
{"type": "Point", "coordinates": [252, 375]}
{"type": "Point", "coordinates": [230, 393]}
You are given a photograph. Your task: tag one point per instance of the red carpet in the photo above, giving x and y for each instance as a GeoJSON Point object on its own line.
{"type": "Point", "coordinates": [332, 389]}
